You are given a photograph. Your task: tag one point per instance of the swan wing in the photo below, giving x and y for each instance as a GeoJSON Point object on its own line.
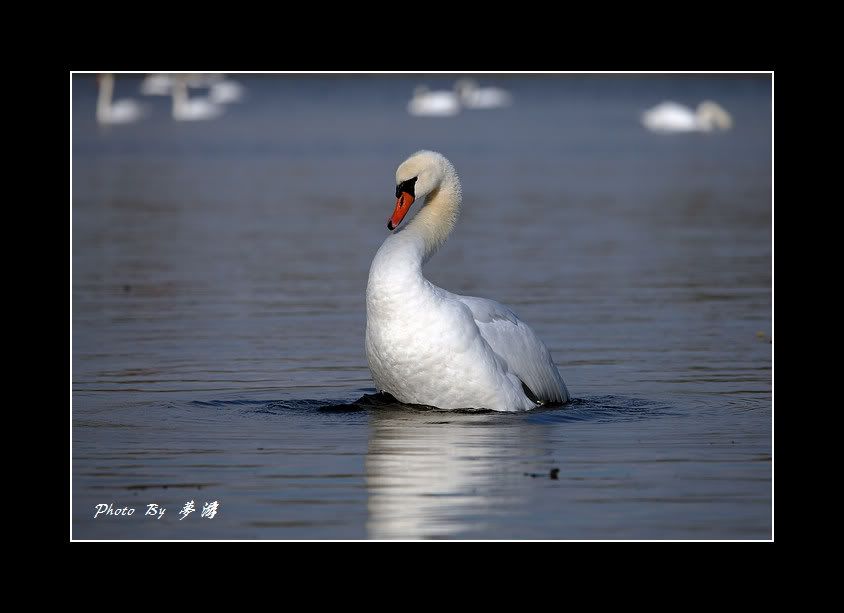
{"type": "Point", "coordinates": [512, 340]}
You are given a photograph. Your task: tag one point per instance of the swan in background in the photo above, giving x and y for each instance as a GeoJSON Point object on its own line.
{"type": "Point", "coordinates": [191, 109]}
{"type": "Point", "coordinates": [428, 103]}
{"type": "Point", "coordinates": [203, 79]}
{"type": "Point", "coordinates": [428, 346]}
{"type": "Point", "coordinates": [474, 97]}
{"type": "Point", "coordinates": [221, 90]}
{"type": "Point", "coordinates": [673, 117]}
{"type": "Point", "coordinates": [120, 111]}
{"type": "Point", "coordinates": [157, 85]}
{"type": "Point", "coordinates": [225, 91]}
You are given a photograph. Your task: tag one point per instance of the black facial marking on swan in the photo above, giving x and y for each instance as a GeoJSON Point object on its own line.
{"type": "Point", "coordinates": [408, 187]}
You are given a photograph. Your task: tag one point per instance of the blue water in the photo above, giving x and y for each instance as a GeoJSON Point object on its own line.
{"type": "Point", "coordinates": [219, 271]}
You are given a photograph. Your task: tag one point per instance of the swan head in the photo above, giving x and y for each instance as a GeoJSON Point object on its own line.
{"type": "Point", "coordinates": [712, 115]}
{"type": "Point", "coordinates": [465, 85]}
{"type": "Point", "coordinates": [417, 177]}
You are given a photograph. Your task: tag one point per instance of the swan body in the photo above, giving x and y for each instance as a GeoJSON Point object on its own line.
{"type": "Point", "coordinates": [220, 89]}
{"type": "Point", "coordinates": [433, 103]}
{"type": "Point", "coordinates": [474, 97]}
{"type": "Point", "coordinates": [163, 84]}
{"type": "Point", "coordinates": [428, 346]}
{"type": "Point", "coordinates": [192, 109]}
{"type": "Point", "coordinates": [673, 117]}
{"type": "Point", "coordinates": [119, 111]}
{"type": "Point", "coordinates": [157, 85]}
{"type": "Point", "coordinates": [225, 91]}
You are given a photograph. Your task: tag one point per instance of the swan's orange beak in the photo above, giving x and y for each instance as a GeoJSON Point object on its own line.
{"type": "Point", "coordinates": [403, 203]}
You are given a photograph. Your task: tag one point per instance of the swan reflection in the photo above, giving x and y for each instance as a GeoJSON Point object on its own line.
{"type": "Point", "coordinates": [438, 474]}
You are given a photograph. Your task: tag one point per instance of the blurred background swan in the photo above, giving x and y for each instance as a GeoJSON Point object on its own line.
{"type": "Point", "coordinates": [440, 103]}
{"type": "Point", "coordinates": [672, 117]}
{"type": "Point", "coordinates": [186, 108]}
{"type": "Point", "coordinates": [203, 79]}
{"type": "Point", "coordinates": [157, 85]}
{"type": "Point", "coordinates": [225, 91]}
{"type": "Point", "coordinates": [221, 90]}
{"type": "Point", "coordinates": [119, 111]}
{"type": "Point", "coordinates": [474, 97]}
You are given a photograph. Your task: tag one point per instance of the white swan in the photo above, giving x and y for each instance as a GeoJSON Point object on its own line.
{"type": "Point", "coordinates": [433, 103]}
{"type": "Point", "coordinates": [474, 97]}
{"type": "Point", "coordinates": [120, 111]}
{"type": "Point", "coordinates": [220, 89]}
{"type": "Point", "coordinates": [428, 346]}
{"type": "Point", "coordinates": [225, 91]}
{"type": "Point", "coordinates": [157, 85]}
{"type": "Point", "coordinates": [203, 79]}
{"type": "Point", "coordinates": [673, 117]}
{"type": "Point", "coordinates": [191, 109]}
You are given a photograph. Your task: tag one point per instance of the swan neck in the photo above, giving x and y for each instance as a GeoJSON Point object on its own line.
{"type": "Point", "coordinates": [180, 94]}
{"type": "Point", "coordinates": [398, 263]}
{"type": "Point", "coordinates": [703, 118]}
{"type": "Point", "coordinates": [104, 96]}
{"type": "Point", "coordinates": [435, 222]}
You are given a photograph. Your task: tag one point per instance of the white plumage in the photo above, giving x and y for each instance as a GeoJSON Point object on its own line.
{"type": "Point", "coordinates": [186, 108]}
{"type": "Point", "coordinates": [220, 90]}
{"type": "Point", "coordinates": [157, 85]}
{"type": "Point", "coordinates": [226, 92]}
{"type": "Point", "coordinates": [514, 341]}
{"type": "Point", "coordinates": [669, 117]}
{"type": "Point", "coordinates": [440, 103]}
{"type": "Point", "coordinates": [428, 346]}
{"type": "Point", "coordinates": [474, 97]}
{"type": "Point", "coordinates": [115, 112]}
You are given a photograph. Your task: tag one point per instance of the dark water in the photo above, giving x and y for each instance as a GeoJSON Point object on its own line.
{"type": "Point", "coordinates": [219, 271]}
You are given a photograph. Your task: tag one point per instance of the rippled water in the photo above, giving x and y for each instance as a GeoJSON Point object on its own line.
{"type": "Point", "coordinates": [219, 271]}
